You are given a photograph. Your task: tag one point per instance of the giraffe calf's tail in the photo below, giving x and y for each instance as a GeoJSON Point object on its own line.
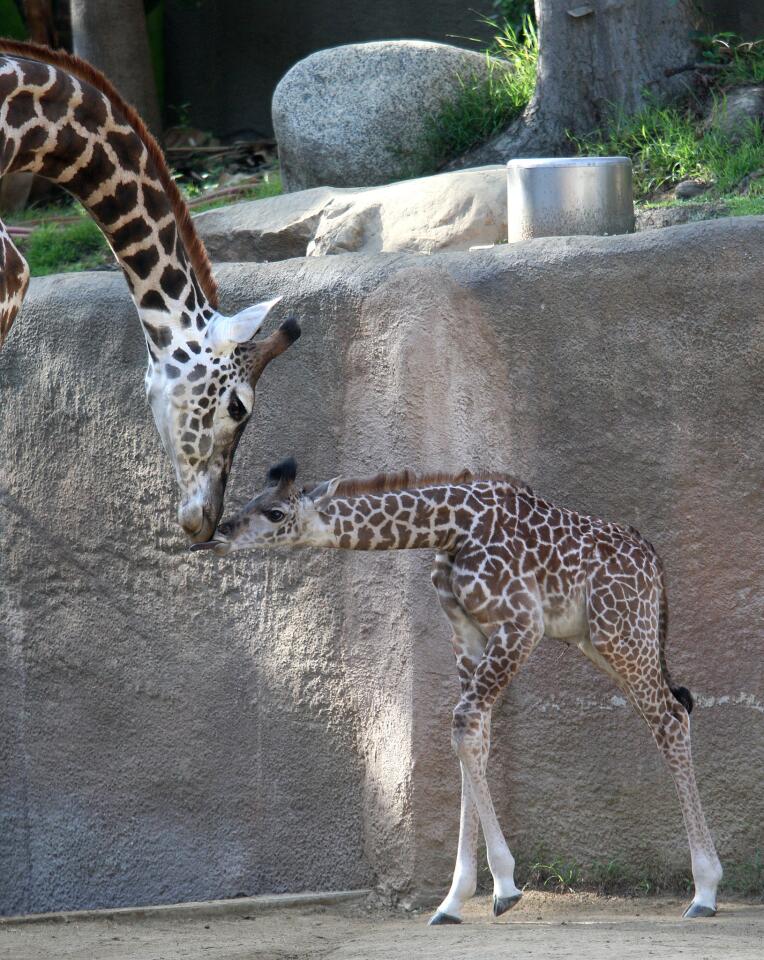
{"type": "Point", "coordinates": [682, 694]}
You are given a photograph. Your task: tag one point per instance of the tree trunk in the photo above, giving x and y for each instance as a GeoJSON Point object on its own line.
{"type": "Point", "coordinates": [112, 35]}
{"type": "Point", "coordinates": [39, 18]}
{"type": "Point", "coordinates": [593, 57]}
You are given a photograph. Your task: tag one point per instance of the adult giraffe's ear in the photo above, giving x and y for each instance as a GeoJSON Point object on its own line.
{"type": "Point", "coordinates": [241, 327]}
{"type": "Point", "coordinates": [325, 490]}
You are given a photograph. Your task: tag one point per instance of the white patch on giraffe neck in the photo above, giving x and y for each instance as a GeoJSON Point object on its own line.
{"type": "Point", "coordinates": [317, 527]}
{"type": "Point", "coordinates": [171, 321]}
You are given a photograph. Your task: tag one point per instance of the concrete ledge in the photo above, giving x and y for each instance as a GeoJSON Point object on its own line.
{"type": "Point", "coordinates": [197, 909]}
{"type": "Point", "coordinates": [177, 729]}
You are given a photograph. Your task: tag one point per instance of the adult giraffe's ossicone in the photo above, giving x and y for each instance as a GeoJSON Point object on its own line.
{"type": "Point", "coordinates": [62, 119]}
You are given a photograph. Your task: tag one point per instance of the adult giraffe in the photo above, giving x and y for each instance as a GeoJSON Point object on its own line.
{"type": "Point", "coordinates": [62, 119]}
{"type": "Point", "coordinates": [510, 569]}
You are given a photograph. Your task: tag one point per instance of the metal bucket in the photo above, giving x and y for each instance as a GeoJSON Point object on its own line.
{"type": "Point", "coordinates": [569, 195]}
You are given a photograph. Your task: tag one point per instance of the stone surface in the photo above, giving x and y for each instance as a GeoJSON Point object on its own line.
{"type": "Point", "coordinates": [689, 189]}
{"type": "Point", "coordinates": [654, 218]}
{"type": "Point", "coordinates": [354, 116]}
{"type": "Point", "coordinates": [174, 727]}
{"type": "Point", "coordinates": [449, 211]}
{"type": "Point", "coordinates": [274, 228]}
{"type": "Point", "coordinates": [733, 113]}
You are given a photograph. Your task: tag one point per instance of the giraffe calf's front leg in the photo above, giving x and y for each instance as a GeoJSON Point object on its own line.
{"type": "Point", "coordinates": [467, 739]}
{"type": "Point", "coordinates": [464, 882]}
{"type": "Point", "coordinates": [468, 643]}
{"type": "Point", "coordinates": [509, 646]}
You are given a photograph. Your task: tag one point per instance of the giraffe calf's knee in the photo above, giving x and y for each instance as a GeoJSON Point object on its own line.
{"type": "Point", "coordinates": [466, 729]}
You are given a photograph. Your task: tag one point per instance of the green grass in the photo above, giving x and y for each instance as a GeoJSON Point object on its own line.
{"type": "Point", "coordinates": [752, 206]}
{"type": "Point", "coordinates": [742, 61]}
{"type": "Point", "coordinates": [667, 143]}
{"type": "Point", "coordinates": [485, 103]}
{"type": "Point", "coordinates": [670, 143]}
{"type": "Point", "coordinates": [266, 188]}
{"type": "Point", "coordinates": [666, 146]}
{"type": "Point", "coordinates": [542, 871]}
{"type": "Point", "coordinates": [61, 248]}
{"type": "Point", "coordinates": [80, 245]}
{"type": "Point", "coordinates": [733, 206]}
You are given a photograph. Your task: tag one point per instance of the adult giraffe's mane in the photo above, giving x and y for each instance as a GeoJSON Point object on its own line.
{"type": "Point", "coordinates": [408, 480]}
{"type": "Point", "coordinates": [84, 71]}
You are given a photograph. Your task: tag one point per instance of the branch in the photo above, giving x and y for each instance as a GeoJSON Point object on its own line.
{"type": "Point", "coordinates": [673, 71]}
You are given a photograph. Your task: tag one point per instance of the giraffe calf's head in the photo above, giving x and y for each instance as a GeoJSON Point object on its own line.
{"type": "Point", "coordinates": [283, 514]}
{"type": "Point", "coordinates": [201, 387]}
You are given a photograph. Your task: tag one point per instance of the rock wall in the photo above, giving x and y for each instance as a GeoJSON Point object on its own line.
{"type": "Point", "coordinates": [176, 727]}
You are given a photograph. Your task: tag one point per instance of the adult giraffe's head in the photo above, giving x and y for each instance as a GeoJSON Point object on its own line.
{"type": "Point", "coordinates": [63, 120]}
{"type": "Point", "coordinates": [201, 384]}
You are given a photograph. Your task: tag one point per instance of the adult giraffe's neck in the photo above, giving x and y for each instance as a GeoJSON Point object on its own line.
{"type": "Point", "coordinates": [65, 122]}
{"type": "Point", "coordinates": [400, 520]}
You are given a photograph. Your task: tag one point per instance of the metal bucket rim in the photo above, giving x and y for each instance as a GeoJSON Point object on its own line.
{"type": "Point", "coordinates": [533, 162]}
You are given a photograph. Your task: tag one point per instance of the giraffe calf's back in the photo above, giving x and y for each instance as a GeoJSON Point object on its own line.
{"type": "Point", "coordinates": [522, 549]}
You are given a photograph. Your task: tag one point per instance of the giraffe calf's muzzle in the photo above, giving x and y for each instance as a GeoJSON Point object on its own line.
{"type": "Point", "coordinates": [219, 547]}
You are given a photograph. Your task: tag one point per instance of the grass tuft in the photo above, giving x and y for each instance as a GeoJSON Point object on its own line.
{"type": "Point", "coordinates": [542, 871]}
{"type": "Point", "coordinates": [666, 147]}
{"type": "Point", "coordinates": [670, 143]}
{"type": "Point", "coordinates": [80, 245]}
{"type": "Point", "coordinates": [741, 61]}
{"type": "Point", "coordinates": [61, 248]}
{"type": "Point", "coordinates": [485, 104]}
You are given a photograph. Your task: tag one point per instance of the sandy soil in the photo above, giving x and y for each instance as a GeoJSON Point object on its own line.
{"type": "Point", "coordinates": [559, 927]}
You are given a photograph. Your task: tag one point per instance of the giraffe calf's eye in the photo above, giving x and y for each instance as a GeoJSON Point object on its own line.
{"type": "Point", "coordinates": [275, 515]}
{"type": "Point", "coordinates": [236, 409]}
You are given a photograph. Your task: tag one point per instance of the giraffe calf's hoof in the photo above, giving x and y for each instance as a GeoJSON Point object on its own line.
{"type": "Point", "coordinates": [502, 904]}
{"type": "Point", "coordinates": [698, 910]}
{"type": "Point", "coordinates": [438, 919]}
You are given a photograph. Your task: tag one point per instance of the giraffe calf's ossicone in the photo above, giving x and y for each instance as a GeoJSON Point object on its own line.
{"type": "Point", "coordinates": [510, 569]}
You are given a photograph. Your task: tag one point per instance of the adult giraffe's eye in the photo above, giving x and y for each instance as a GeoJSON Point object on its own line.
{"type": "Point", "coordinates": [236, 409]}
{"type": "Point", "coordinates": [275, 516]}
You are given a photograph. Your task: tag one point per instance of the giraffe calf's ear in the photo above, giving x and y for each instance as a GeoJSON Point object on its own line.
{"type": "Point", "coordinates": [325, 490]}
{"type": "Point", "coordinates": [242, 326]}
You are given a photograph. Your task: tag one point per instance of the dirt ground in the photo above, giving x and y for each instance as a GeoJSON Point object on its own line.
{"type": "Point", "coordinates": [559, 927]}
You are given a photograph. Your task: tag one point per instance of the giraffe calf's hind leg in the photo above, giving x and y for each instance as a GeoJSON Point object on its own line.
{"type": "Point", "coordinates": [669, 723]}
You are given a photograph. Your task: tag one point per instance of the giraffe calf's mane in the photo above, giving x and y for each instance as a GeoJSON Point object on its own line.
{"type": "Point", "coordinates": [84, 71]}
{"type": "Point", "coordinates": [406, 479]}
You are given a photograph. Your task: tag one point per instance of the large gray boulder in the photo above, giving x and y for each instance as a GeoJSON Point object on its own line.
{"type": "Point", "coordinates": [449, 211]}
{"type": "Point", "coordinates": [734, 113]}
{"type": "Point", "coordinates": [175, 727]}
{"type": "Point", "coordinates": [355, 115]}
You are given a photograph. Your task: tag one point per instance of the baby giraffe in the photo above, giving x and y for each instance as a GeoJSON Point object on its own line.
{"type": "Point", "coordinates": [510, 569]}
